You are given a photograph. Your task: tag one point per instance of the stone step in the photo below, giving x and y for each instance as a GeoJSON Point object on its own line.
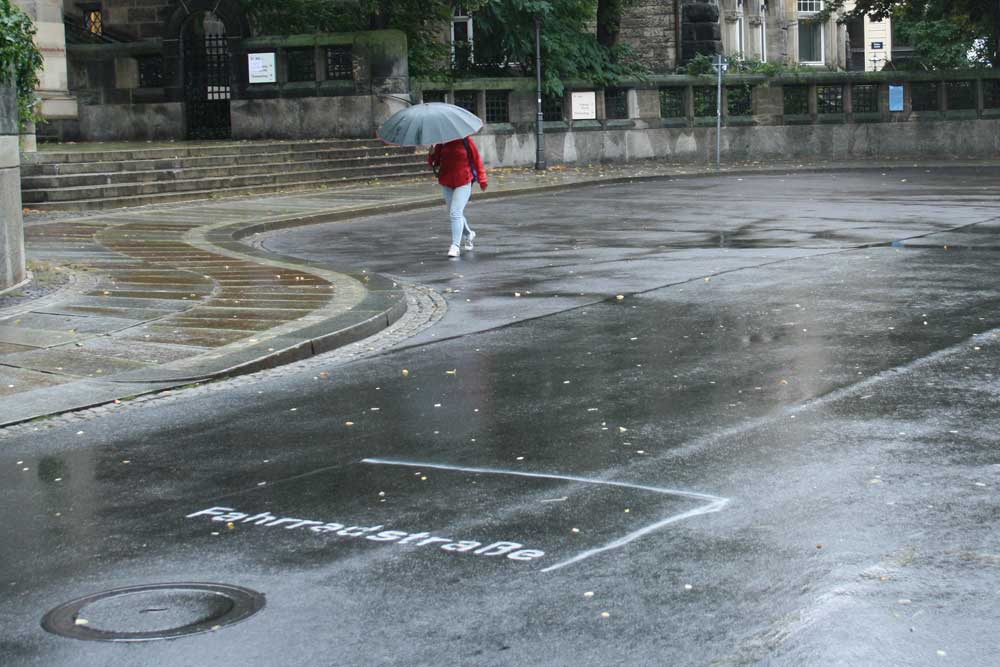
{"type": "Point", "coordinates": [298, 185]}
{"type": "Point", "coordinates": [31, 197]}
{"type": "Point", "coordinates": [173, 163]}
{"type": "Point", "coordinates": [190, 150]}
{"type": "Point", "coordinates": [98, 180]}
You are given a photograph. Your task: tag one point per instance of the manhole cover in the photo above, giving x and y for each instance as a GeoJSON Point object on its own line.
{"type": "Point", "coordinates": [156, 611]}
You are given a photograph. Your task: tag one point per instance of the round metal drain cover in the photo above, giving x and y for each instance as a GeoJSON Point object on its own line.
{"type": "Point", "coordinates": [156, 611]}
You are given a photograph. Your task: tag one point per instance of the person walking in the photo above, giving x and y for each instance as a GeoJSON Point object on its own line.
{"type": "Point", "coordinates": [458, 165]}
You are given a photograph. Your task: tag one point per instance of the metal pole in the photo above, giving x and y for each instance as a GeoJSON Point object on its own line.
{"type": "Point", "coordinates": [540, 118]}
{"type": "Point", "coordinates": [718, 115]}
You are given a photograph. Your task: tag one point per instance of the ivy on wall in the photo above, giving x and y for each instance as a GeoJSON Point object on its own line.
{"type": "Point", "coordinates": [20, 56]}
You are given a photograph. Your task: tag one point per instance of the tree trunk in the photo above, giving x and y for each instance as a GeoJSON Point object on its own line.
{"type": "Point", "coordinates": [609, 16]}
{"type": "Point", "coordinates": [380, 16]}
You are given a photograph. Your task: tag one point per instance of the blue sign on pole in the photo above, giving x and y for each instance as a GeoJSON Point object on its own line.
{"type": "Point", "coordinates": [895, 98]}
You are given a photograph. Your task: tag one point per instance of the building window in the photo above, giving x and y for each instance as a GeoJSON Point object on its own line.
{"type": "Point", "coordinates": [810, 32]}
{"type": "Point", "coordinates": [704, 100]}
{"type": "Point", "coordinates": [93, 20]}
{"type": "Point", "coordinates": [810, 42]}
{"type": "Point", "coordinates": [301, 64]}
{"type": "Point", "coordinates": [616, 103]}
{"type": "Point", "coordinates": [466, 99]}
{"type": "Point", "coordinates": [856, 44]}
{"type": "Point", "coordinates": [150, 71]}
{"type": "Point", "coordinates": [434, 96]}
{"type": "Point", "coordinates": [462, 53]}
{"type": "Point", "coordinates": [991, 93]}
{"type": "Point", "coordinates": [961, 95]}
{"type": "Point", "coordinates": [672, 103]}
{"type": "Point", "coordinates": [552, 108]}
{"type": "Point", "coordinates": [739, 101]}
{"type": "Point", "coordinates": [796, 100]}
{"type": "Point", "coordinates": [339, 63]}
{"type": "Point", "coordinates": [924, 96]}
{"type": "Point", "coordinates": [497, 106]}
{"type": "Point", "coordinates": [864, 98]}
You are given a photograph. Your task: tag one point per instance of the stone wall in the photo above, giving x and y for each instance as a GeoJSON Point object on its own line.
{"type": "Point", "coordinates": [11, 224]}
{"type": "Point", "coordinates": [138, 19]}
{"type": "Point", "coordinates": [673, 118]}
{"type": "Point", "coordinates": [969, 139]}
{"type": "Point", "coordinates": [117, 105]}
{"type": "Point", "coordinates": [649, 27]}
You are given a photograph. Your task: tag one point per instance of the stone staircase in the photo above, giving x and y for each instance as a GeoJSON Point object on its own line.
{"type": "Point", "coordinates": [82, 179]}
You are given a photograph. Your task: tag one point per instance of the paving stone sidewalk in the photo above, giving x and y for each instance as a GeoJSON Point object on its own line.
{"type": "Point", "coordinates": [167, 296]}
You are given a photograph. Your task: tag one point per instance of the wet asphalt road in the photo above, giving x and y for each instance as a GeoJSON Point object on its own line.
{"type": "Point", "coordinates": [795, 404]}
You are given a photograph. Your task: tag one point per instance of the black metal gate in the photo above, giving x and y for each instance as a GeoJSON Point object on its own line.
{"type": "Point", "coordinates": [207, 71]}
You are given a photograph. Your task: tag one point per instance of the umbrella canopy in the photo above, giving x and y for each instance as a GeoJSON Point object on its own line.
{"type": "Point", "coordinates": [431, 123]}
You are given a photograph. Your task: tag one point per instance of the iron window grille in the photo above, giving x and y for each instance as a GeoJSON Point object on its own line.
{"type": "Point", "coordinates": [434, 96]}
{"type": "Point", "coordinates": [616, 103]}
{"type": "Point", "coordinates": [301, 64]}
{"type": "Point", "coordinates": [961, 95]}
{"type": "Point", "coordinates": [991, 93]}
{"type": "Point", "coordinates": [467, 100]}
{"type": "Point", "coordinates": [864, 98]}
{"type": "Point", "coordinates": [672, 103]}
{"type": "Point", "coordinates": [497, 106]}
{"type": "Point", "coordinates": [150, 71]}
{"type": "Point", "coordinates": [339, 63]}
{"type": "Point", "coordinates": [924, 96]}
{"type": "Point", "coordinates": [796, 100]}
{"type": "Point", "coordinates": [552, 108]}
{"type": "Point", "coordinates": [93, 20]}
{"type": "Point", "coordinates": [829, 99]}
{"type": "Point", "coordinates": [739, 101]}
{"type": "Point", "coordinates": [704, 100]}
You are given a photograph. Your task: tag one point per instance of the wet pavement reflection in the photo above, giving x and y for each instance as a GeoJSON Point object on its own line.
{"type": "Point", "coordinates": [801, 443]}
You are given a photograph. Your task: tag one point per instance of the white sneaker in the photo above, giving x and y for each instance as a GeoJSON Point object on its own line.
{"type": "Point", "coordinates": [467, 241]}
{"type": "Point", "coordinates": [453, 251]}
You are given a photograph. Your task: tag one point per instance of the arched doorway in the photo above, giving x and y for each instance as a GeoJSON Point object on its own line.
{"type": "Point", "coordinates": [207, 76]}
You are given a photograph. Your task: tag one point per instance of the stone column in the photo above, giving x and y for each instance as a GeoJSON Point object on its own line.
{"type": "Point", "coordinates": [700, 29]}
{"type": "Point", "coordinates": [53, 87]}
{"type": "Point", "coordinates": [11, 223]}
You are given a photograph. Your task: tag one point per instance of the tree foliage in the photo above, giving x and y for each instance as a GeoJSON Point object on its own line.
{"type": "Point", "coordinates": [943, 32]}
{"type": "Point", "coordinates": [422, 20]}
{"type": "Point", "coordinates": [18, 54]}
{"type": "Point", "coordinates": [504, 35]}
{"type": "Point", "coordinates": [505, 39]}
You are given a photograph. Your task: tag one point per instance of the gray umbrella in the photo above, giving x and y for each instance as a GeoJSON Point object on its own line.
{"type": "Point", "coordinates": [430, 123]}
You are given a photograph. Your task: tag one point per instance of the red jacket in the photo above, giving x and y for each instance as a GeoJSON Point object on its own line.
{"type": "Point", "coordinates": [456, 163]}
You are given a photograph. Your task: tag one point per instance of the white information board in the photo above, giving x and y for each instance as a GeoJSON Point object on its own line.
{"type": "Point", "coordinates": [584, 106]}
{"type": "Point", "coordinates": [261, 68]}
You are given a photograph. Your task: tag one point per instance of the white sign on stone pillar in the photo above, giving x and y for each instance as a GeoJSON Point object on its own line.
{"type": "Point", "coordinates": [261, 68]}
{"type": "Point", "coordinates": [584, 105]}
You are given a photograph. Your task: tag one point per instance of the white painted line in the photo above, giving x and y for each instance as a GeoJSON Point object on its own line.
{"type": "Point", "coordinates": [715, 503]}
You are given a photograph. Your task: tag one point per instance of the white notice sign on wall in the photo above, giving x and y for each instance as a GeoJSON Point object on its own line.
{"type": "Point", "coordinates": [261, 68]}
{"type": "Point", "coordinates": [584, 105]}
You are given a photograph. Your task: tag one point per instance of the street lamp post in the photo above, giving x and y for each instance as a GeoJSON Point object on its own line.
{"type": "Point", "coordinates": [540, 117]}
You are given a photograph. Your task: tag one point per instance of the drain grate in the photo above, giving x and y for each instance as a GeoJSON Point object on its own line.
{"type": "Point", "coordinates": [155, 611]}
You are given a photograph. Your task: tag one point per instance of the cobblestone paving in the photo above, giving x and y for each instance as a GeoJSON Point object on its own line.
{"type": "Point", "coordinates": [424, 308]}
